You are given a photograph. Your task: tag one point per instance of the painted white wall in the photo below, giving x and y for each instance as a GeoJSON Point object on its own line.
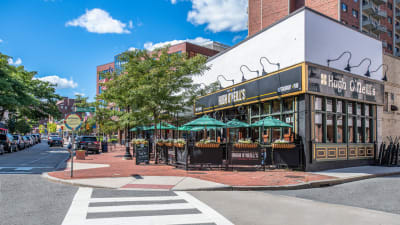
{"type": "Point", "coordinates": [326, 39]}
{"type": "Point", "coordinates": [283, 43]}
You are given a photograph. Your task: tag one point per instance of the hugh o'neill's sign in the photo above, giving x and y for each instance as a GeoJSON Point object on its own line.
{"type": "Point", "coordinates": [338, 84]}
{"type": "Point", "coordinates": [235, 96]}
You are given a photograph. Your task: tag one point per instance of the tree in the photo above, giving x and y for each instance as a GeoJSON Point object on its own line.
{"type": "Point", "coordinates": [152, 85]}
{"type": "Point", "coordinates": [52, 127]}
{"type": "Point", "coordinates": [41, 128]}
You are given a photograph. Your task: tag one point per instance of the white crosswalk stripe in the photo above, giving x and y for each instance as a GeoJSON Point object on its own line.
{"type": "Point", "coordinates": [119, 207]}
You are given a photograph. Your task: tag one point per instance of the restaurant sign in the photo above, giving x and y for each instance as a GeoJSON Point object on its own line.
{"type": "Point", "coordinates": [277, 84]}
{"type": "Point", "coordinates": [342, 85]}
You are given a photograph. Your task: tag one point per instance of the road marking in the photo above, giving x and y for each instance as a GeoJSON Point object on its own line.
{"type": "Point", "coordinates": [109, 207]}
{"type": "Point", "coordinates": [76, 214]}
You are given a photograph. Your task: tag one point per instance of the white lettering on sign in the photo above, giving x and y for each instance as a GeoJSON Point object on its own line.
{"type": "Point", "coordinates": [232, 97]}
{"type": "Point", "coordinates": [288, 87]}
{"type": "Point", "coordinates": [341, 85]}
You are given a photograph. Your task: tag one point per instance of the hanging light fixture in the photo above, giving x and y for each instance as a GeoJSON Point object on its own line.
{"type": "Point", "coordinates": [348, 67]}
{"type": "Point", "coordinates": [368, 74]}
{"type": "Point", "coordinates": [384, 78]}
{"type": "Point", "coordinates": [220, 86]}
{"type": "Point", "coordinates": [263, 70]}
{"type": "Point", "coordinates": [243, 78]}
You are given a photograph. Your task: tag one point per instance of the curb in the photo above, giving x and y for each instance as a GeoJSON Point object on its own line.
{"type": "Point", "coordinates": [312, 184]}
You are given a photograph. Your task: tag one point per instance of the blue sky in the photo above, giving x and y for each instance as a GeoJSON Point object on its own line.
{"type": "Point", "coordinates": [64, 40]}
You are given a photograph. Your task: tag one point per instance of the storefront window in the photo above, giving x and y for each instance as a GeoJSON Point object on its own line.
{"type": "Point", "coordinates": [288, 104]}
{"type": "Point", "coordinates": [287, 132]}
{"type": "Point", "coordinates": [329, 129]}
{"type": "Point", "coordinates": [265, 109]}
{"type": "Point", "coordinates": [339, 127]}
{"type": "Point", "coordinates": [255, 110]}
{"type": "Point", "coordinates": [360, 132]}
{"type": "Point", "coordinates": [329, 105]}
{"type": "Point", "coordinates": [358, 109]}
{"type": "Point", "coordinates": [366, 110]}
{"type": "Point", "coordinates": [339, 106]}
{"type": "Point", "coordinates": [368, 131]}
{"type": "Point", "coordinates": [350, 108]}
{"type": "Point", "coordinates": [318, 103]}
{"type": "Point", "coordinates": [318, 127]}
{"type": "Point", "coordinates": [350, 128]}
{"type": "Point", "coordinates": [276, 106]}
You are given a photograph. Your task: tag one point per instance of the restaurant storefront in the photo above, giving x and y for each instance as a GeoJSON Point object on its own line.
{"type": "Point", "coordinates": [333, 113]}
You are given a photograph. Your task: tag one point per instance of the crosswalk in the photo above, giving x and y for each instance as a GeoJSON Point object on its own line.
{"type": "Point", "coordinates": [123, 207]}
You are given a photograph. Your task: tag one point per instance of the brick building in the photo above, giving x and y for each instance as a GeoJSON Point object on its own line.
{"type": "Point", "coordinates": [66, 106]}
{"type": "Point", "coordinates": [377, 18]}
{"type": "Point", "coordinates": [100, 70]}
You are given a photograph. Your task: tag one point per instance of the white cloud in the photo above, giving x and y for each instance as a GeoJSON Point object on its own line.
{"type": "Point", "coordinates": [98, 21]}
{"type": "Point", "coordinates": [198, 41]}
{"type": "Point", "coordinates": [132, 49]}
{"type": "Point", "coordinates": [78, 93]}
{"type": "Point", "coordinates": [237, 37]}
{"type": "Point", "coordinates": [130, 24]}
{"type": "Point", "coordinates": [1, 40]}
{"type": "Point", "coordinates": [173, 1]}
{"type": "Point", "coordinates": [61, 83]}
{"type": "Point", "coordinates": [16, 62]}
{"type": "Point", "coordinates": [219, 15]}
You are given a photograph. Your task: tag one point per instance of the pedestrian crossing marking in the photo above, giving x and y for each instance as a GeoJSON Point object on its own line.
{"type": "Point", "coordinates": [110, 207]}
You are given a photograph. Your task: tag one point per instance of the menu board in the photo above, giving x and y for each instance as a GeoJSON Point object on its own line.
{"type": "Point", "coordinates": [142, 154]}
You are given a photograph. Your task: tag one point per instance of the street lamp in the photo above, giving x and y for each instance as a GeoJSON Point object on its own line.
{"type": "Point", "coordinates": [366, 73]}
{"type": "Point", "coordinates": [243, 78]}
{"type": "Point", "coordinates": [263, 70]}
{"type": "Point", "coordinates": [348, 67]}
{"type": "Point", "coordinates": [220, 86]}
{"type": "Point", "coordinates": [387, 67]}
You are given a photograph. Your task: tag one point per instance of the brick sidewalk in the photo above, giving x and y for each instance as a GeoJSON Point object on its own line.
{"type": "Point", "coordinates": [127, 168]}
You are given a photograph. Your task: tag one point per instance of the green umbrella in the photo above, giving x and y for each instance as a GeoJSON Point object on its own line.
{"type": "Point", "coordinates": [270, 122]}
{"type": "Point", "coordinates": [205, 121]}
{"type": "Point", "coordinates": [236, 124]}
{"type": "Point", "coordinates": [164, 126]}
{"type": "Point", "coordinates": [139, 128]}
{"type": "Point", "coordinates": [202, 128]}
{"type": "Point", "coordinates": [184, 128]}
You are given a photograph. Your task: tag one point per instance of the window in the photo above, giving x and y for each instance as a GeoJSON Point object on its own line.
{"type": "Point", "coordinates": [318, 127]}
{"type": "Point", "coordinates": [390, 33]}
{"type": "Point", "coordinates": [355, 13]}
{"type": "Point", "coordinates": [390, 6]}
{"type": "Point", "coordinates": [389, 46]}
{"type": "Point", "coordinates": [344, 7]}
{"type": "Point", "coordinates": [276, 106]}
{"type": "Point", "coordinates": [288, 104]}
{"type": "Point", "coordinates": [339, 128]}
{"type": "Point", "coordinates": [389, 20]}
{"type": "Point", "coordinates": [329, 128]}
{"type": "Point", "coordinates": [350, 130]}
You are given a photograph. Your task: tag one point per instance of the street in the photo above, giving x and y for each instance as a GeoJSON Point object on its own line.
{"type": "Point", "coordinates": [28, 198]}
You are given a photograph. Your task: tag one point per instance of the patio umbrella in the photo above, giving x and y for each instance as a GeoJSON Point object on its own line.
{"type": "Point", "coordinates": [205, 121]}
{"type": "Point", "coordinates": [270, 122]}
{"type": "Point", "coordinates": [163, 126]}
{"type": "Point", "coordinates": [236, 124]}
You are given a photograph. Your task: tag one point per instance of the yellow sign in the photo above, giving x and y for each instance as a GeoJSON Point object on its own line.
{"type": "Point", "coordinates": [73, 121]}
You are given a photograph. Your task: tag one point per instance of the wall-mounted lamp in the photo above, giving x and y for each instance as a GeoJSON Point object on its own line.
{"type": "Point", "coordinates": [220, 86]}
{"type": "Point", "coordinates": [366, 73]}
{"type": "Point", "coordinates": [243, 78]}
{"type": "Point", "coordinates": [384, 76]}
{"type": "Point", "coordinates": [263, 70]}
{"type": "Point", "coordinates": [348, 67]}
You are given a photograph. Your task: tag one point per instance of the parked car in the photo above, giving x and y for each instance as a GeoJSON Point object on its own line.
{"type": "Point", "coordinates": [7, 140]}
{"type": "Point", "coordinates": [37, 138]}
{"type": "Point", "coordinates": [27, 141]}
{"type": "Point", "coordinates": [31, 140]}
{"type": "Point", "coordinates": [56, 141]}
{"type": "Point", "coordinates": [44, 137]}
{"type": "Point", "coordinates": [89, 143]}
{"type": "Point", "coordinates": [20, 141]}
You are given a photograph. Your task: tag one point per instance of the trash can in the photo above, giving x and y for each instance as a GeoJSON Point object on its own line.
{"type": "Point", "coordinates": [104, 146]}
{"type": "Point", "coordinates": [80, 154]}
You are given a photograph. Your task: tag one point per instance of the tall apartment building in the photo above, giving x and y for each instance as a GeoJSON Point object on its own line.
{"type": "Point", "coordinates": [100, 71]}
{"type": "Point", "coordinates": [377, 18]}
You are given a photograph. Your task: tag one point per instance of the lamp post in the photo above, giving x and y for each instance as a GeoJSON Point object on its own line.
{"type": "Point", "coordinates": [366, 73]}
{"type": "Point", "coordinates": [241, 70]}
{"type": "Point", "coordinates": [263, 70]}
{"type": "Point", "coordinates": [387, 67]}
{"type": "Point", "coordinates": [348, 67]}
{"type": "Point", "coordinates": [220, 86]}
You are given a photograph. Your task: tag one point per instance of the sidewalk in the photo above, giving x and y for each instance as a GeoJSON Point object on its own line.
{"type": "Point", "coordinates": [109, 170]}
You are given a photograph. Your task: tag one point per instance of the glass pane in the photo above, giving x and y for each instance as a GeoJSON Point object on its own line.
{"type": "Point", "coordinates": [329, 105]}
{"type": "Point", "coordinates": [359, 131]}
{"type": "Point", "coordinates": [368, 131]}
{"type": "Point", "coordinates": [339, 106]}
{"type": "Point", "coordinates": [350, 130]}
{"type": "Point", "coordinates": [339, 129]}
{"type": "Point", "coordinates": [318, 103]}
{"type": "Point", "coordinates": [329, 129]}
{"type": "Point", "coordinates": [276, 132]}
{"type": "Point", "coordinates": [276, 107]}
{"type": "Point", "coordinates": [266, 106]}
{"type": "Point", "coordinates": [350, 108]}
{"type": "Point", "coordinates": [358, 109]}
{"type": "Point", "coordinates": [254, 109]}
{"type": "Point", "coordinates": [366, 112]}
{"type": "Point", "coordinates": [318, 127]}
{"type": "Point", "coordinates": [287, 132]}
{"type": "Point", "coordinates": [288, 104]}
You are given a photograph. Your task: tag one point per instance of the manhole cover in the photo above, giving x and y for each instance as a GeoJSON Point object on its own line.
{"type": "Point", "coordinates": [292, 176]}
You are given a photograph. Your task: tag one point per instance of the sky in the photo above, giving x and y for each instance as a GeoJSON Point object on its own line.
{"type": "Point", "coordinates": [64, 40]}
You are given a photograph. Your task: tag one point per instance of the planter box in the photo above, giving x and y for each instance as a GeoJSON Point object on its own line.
{"type": "Point", "coordinates": [179, 145]}
{"type": "Point", "coordinates": [80, 154]}
{"type": "Point", "coordinates": [169, 144]}
{"type": "Point", "coordinates": [245, 145]}
{"type": "Point", "coordinates": [160, 144]}
{"type": "Point", "coordinates": [207, 145]}
{"type": "Point", "coordinates": [283, 145]}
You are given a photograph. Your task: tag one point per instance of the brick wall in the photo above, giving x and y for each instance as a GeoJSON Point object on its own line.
{"type": "Point", "coordinates": [99, 69]}
{"type": "Point", "coordinates": [389, 26]}
{"type": "Point", "coordinates": [327, 7]}
{"type": "Point", "coordinates": [347, 17]}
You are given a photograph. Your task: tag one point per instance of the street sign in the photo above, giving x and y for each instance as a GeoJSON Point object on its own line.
{"type": "Point", "coordinates": [85, 109]}
{"type": "Point", "coordinates": [73, 121]}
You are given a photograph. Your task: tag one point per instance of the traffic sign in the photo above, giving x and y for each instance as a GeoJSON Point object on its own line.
{"type": "Point", "coordinates": [73, 121]}
{"type": "Point", "coordinates": [85, 109]}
